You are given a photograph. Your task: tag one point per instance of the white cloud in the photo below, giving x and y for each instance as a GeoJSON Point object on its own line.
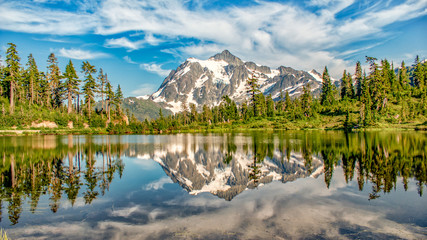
{"type": "Point", "coordinates": [269, 33]}
{"type": "Point", "coordinates": [81, 54]}
{"type": "Point", "coordinates": [124, 42]}
{"type": "Point", "coordinates": [129, 60]}
{"type": "Point", "coordinates": [155, 68]}
{"type": "Point", "coordinates": [145, 89]}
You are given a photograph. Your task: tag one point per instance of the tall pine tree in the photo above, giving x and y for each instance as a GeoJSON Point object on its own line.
{"type": "Point", "coordinates": [253, 91]}
{"type": "Point", "coordinates": [358, 76]}
{"type": "Point", "coordinates": [118, 99]}
{"type": "Point", "coordinates": [32, 78]}
{"type": "Point", "coordinates": [89, 88]}
{"type": "Point", "coordinates": [54, 80]}
{"type": "Point", "coordinates": [102, 80]}
{"type": "Point", "coordinates": [109, 98]}
{"type": "Point", "coordinates": [12, 70]}
{"type": "Point", "coordinates": [71, 84]}
{"type": "Point", "coordinates": [327, 95]}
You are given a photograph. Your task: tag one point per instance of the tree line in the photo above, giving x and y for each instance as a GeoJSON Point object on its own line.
{"type": "Point", "coordinates": [27, 89]}
{"type": "Point", "coordinates": [362, 99]}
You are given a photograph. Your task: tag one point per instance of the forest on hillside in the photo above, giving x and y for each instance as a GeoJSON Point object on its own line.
{"type": "Point", "coordinates": [382, 97]}
{"type": "Point", "coordinates": [28, 95]}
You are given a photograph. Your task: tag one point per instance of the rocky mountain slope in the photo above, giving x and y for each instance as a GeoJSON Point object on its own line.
{"type": "Point", "coordinates": [203, 82]}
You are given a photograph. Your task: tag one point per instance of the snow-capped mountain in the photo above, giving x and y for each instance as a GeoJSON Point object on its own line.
{"type": "Point", "coordinates": [206, 81]}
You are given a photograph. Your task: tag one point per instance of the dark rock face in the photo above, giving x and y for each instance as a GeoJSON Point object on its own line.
{"type": "Point", "coordinates": [205, 82]}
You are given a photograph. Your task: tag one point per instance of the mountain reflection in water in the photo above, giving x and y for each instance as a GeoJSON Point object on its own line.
{"type": "Point", "coordinates": [222, 164]}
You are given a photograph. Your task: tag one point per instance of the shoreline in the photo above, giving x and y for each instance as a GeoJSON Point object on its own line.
{"type": "Point", "coordinates": [204, 129]}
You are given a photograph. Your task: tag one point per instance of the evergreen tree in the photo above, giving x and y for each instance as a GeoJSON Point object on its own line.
{"type": "Point", "coordinates": [394, 84]}
{"type": "Point", "coordinates": [327, 95]}
{"type": "Point", "coordinates": [102, 80]}
{"type": "Point", "coordinates": [206, 114]}
{"type": "Point", "coordinates": [403, 77]}
{"type": "Point", "coordinates": [253, 92]}
{"type": "Point", "coordinates": [351, 93]}
{"type": "Point", "coordinates": [270, 106]}
{"type": "Point", "coordinates": [12, 72]}
{"type": "Point", "coordinates": [419, 74]}
{"type": "Point", "coordinates": [260, 105]}
{"type": "Point", "coordinates": [109, 98]}
{"type": "Point", "coordinates": [288, 102]}
{"type": "Point", "coordinates": [118, 99]}
{"type": "Point", "coordinates": [365, 112]}
{"type": "Point", "coordinates": [306, 100]}
{"type": "Point", "coordinates": [345, 86]}
{"type": "Point", "coordinates": [44, 90]}
{"type": "Point", "coordinates": [54, 80]}
{"type": "Point", "coordinates": [246, 113]}
{"type": "Point", "coordinates": [89, 88]}
{"type": "Point", "coordinates": [376, 83]}
{"type": "Point", "coordinates": [71, 84]}
{"type": "Point", "coordinates": [387, 78]}
{"type": "Point", "coordinates": [193, 113]}
{"type": "Point", "coordinates": [185, 113]}
{"type": "Point", "coordinates": [32, 78]}
{"type": "Point", "coordinates": [358, 76]}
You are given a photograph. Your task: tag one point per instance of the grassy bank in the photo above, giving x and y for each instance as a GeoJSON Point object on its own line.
{"type": "Point", "coordinates": [271, 123]}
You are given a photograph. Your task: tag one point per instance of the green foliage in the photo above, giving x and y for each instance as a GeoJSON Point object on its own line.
{"type": "Point", "coordinates": [89, 88]}
{"type": "Point", "coordinates": [71, 84]}
{"type": "Point", "coordinates": [54, 80]}
{"type": "Point", "coordinates": [327, 95]}
{"type": "Point", "coordinates": [253, 91]}
{"type": "Point", "coordinates": [97, 121]}
{"type": "Point", "coordinates": [29, 96]}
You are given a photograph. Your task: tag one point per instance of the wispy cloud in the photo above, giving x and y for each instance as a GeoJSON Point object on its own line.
{"type": "Point", "coordinates": [155, 68]}
{"type": "Point", "coordinates": [81, 54]}
{"type": "Point", "coordinates": [129, 60]}
{"type": "Point", "coordinates": [35, 18]}
{"type": "Point", "coordinates": [51, 39]}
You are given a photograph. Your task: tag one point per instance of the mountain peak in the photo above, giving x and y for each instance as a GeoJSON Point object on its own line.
{"type": "Point", "coordinates": [205, 82]}
{"type": "Point", "coordinates": [228, 57]}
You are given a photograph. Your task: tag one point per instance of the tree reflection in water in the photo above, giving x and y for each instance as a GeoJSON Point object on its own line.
{"type": "Point", "coordinates": [29, 171]}
{"type": "Point", "coordinates": [60, 168]}
{"type": "Point", "coordinates": [378, 158]}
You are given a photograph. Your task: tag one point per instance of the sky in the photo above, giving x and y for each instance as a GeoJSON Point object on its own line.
{"type": "Point", "coordinates": [138, 42]}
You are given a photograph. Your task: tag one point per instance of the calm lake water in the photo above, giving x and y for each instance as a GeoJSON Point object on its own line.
{"type": "Point", "coordinates": [256, 185]}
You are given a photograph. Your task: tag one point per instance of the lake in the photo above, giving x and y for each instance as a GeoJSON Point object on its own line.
{"type": "Point", "coordinates": [253, 185]}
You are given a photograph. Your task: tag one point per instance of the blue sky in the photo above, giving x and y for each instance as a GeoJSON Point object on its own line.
{"type": "Point", "coordinates": [138, 42]}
